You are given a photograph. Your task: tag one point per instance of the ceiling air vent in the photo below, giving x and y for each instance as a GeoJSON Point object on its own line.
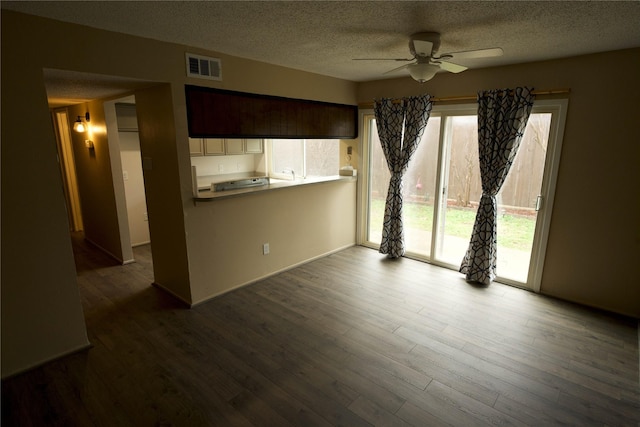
{"type": "Point", "coordinates": [203, 67]}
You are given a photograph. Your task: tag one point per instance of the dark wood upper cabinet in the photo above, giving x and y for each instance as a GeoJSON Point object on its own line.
{"type": "Point", "coordinates": [216, 113]}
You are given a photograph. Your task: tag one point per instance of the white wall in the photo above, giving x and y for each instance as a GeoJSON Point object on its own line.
{"type": "Point", "coordinates": [134, 187]}
{"type": "Point", "coordinates": [216, 165]}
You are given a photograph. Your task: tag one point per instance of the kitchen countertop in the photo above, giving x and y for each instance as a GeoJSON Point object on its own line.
{"type": "Point", "coordinates": [205, 181]}
{"type": "Point", "coordinates": [206, 195]}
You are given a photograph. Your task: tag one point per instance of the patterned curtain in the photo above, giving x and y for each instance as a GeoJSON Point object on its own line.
{"type": "Point", "coordinates": [400, 127]}
{"type": "Point", "coordinates": [502, 118]}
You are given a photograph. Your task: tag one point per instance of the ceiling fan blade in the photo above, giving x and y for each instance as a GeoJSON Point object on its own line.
{"type": "Point", "coordinates": [397, 69]}
{"type": "Point", "coordinates": [422, 48]}
{"type": "Point", "coordinates": [382, 59]}
{"type": "Point", "coordinates": [477, 53]}
{"type": "Point", "coordinates": [451, 67]}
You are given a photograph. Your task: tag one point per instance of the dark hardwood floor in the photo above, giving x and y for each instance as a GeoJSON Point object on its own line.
{"type": "Point", "coordinates": [352, 339]}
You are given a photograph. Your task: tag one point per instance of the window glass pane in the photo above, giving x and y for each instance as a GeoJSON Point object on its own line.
{"type": "Point", "coordinates": [463, 190]}
{"type": "Point", "coordinates": [323, 157]}
{"type": "Point", "coordinates": [378, 185]}
{"type": "Point", "coordinates": [287, 156]}
{"type": "Point", "coordinates": [517, 200]}
{"type": "Point", "coordinates": [418, 190]}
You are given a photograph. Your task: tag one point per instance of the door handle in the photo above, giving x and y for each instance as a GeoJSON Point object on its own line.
{"type": "Point", "coordinates": [538, 203]}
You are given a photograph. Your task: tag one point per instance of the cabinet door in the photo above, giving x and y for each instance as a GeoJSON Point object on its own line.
{"type": "Point", "coordinates": [195, 147]}
{"type": "Point", "coordinates": [252, 146]}
{"type": "Point", "coordinates": [234, 146]}
{"type": "Point", "coordinates": [213, 146]}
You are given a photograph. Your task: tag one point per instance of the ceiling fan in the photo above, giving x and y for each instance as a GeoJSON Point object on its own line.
{"type": "Point", "coordinates": [424, 48]}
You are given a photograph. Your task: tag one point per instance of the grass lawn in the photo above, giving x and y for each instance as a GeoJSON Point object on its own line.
{"type": "Point", "coordinates": [514, 231]}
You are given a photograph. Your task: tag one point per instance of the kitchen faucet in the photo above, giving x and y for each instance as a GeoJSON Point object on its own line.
{"type": "Point", "coordinates": [291, 171]}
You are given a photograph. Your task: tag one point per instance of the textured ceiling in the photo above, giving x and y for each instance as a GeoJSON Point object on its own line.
{"type": "Point", "coordinates": [323, 37]}
{"type": "Point", "coordinates": [71, 87]}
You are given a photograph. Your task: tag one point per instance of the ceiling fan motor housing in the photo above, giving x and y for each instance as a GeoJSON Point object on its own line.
{"type": "Point", "coordinates": [431, 37]}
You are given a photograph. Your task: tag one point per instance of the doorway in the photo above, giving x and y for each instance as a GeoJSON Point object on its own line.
{"type": "Point", "coordinates": [110, 174]}
{"type": "Point", "coordinates": [442, 188]}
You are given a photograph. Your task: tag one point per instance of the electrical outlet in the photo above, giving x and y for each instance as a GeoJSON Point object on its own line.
{"type": "Point", "coordinates": [125, 175]}
{"type": "Point", "coordinates": [265, 249]}
{"type": "Point", "coordinates": [220, 168]}
{"type": "Point", "coordinates": [349, 150]}
{"type": "Point", "coordinates": [145, 217]}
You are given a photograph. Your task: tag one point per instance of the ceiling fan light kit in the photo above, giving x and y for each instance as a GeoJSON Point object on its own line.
{"type": "Point", "coordinates": [424, 49]}
{"type": "Point", "coordinates": [422, 72]}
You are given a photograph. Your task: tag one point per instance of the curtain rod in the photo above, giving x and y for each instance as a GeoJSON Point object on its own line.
{"type": "Point", "coordinates": [473, 97]}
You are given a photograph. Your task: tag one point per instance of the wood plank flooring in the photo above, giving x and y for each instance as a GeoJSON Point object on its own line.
{"type": "Point", "coordinates": [353, 339]}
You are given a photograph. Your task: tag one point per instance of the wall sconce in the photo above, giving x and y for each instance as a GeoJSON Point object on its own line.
{"type": "Point", "coordinates": [89, 144]}
{"type": "Point", "coordinates": [80, 125]}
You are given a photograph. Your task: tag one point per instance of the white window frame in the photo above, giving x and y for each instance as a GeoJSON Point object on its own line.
{"type": "Point", "coordinates": [558, 109]}
{"type": "Point", "coordinates": [286, 175]}
{"type": "Point", "coordinates": [283, 174]}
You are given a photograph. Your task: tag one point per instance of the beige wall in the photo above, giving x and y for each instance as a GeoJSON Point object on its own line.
{"type": "Point", "coordinates": [594, 239]}
{"type": "Point", "coordinates": [299, 223]}
{"type": "Point", "coordinates": [164, 191]}
{"type": "Point", "coordinates": [96, 186]}
{"type": "Point", "coordinates": [41, 311]}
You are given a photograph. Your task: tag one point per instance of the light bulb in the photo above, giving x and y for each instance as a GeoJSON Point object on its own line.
{"type": "Point", "coordinates": [78, 125]}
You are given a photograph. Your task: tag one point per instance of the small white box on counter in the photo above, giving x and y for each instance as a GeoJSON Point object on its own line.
{"type": "Point", "coordinates": [348, 171]}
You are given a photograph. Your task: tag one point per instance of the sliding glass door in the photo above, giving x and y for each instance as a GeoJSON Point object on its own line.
{"type": "Point", "coordinates": [442, 188]}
